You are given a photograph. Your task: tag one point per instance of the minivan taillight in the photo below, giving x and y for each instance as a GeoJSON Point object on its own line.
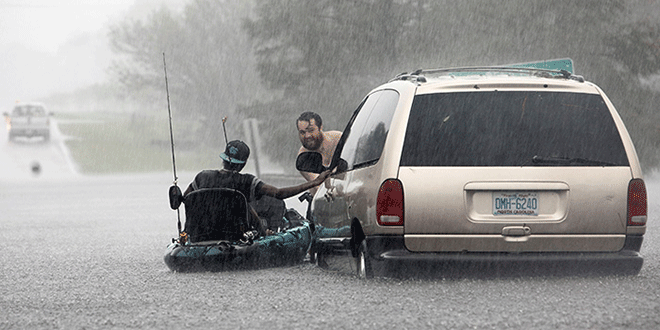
{"type": "Point", "coordinates": [389, 204]}
{"type": "Point", "coordinates": [637, 203]}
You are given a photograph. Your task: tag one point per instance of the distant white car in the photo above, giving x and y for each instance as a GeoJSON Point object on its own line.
{"type": "Point", "coordinates": [28, 120]}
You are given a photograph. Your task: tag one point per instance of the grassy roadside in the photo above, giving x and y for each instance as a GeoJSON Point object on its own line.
{"type": "Point", "coordinates": [124, 143]}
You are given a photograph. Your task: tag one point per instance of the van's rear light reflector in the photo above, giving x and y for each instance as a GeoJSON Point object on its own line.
{"type": "Point", "coordinates": [637, 203]}
{"type": "Point", "coordinates": [389, 204]}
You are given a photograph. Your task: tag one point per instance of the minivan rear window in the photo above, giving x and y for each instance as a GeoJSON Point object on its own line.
{"type": "Point", "coordinates": [517, 128]}
{"type": "Point", "coordinates": [29, 110]}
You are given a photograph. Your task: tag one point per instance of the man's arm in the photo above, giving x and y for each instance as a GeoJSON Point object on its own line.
{"type": "Point", "coordinates": [308, 176]}
{"type": "Point", "coordinates": [286, 192]}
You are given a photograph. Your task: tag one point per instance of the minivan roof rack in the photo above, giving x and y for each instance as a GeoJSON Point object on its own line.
{"type": "Point", "coordinates": [421, 74]}
{"type": "Point", "coordinates": [558, 68]}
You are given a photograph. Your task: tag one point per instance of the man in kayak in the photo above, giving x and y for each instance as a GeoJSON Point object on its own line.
{"type": "Point", "coordinates": [233, 159]}
{"type": "Point", "coordinates": [313, 138]}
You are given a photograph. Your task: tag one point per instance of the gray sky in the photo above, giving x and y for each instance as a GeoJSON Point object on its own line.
{"type": "Point", "coordinates": [51, 46]}
{"type": "Point", "coordinates": [44, 25]}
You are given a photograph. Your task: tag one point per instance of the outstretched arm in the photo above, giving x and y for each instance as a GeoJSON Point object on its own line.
{"type": "Point", "coordinates": [308, 176]}
{"type": "Point", "coordinates": [286, 192]}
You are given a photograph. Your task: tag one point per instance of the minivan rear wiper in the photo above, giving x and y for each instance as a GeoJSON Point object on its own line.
{"type": "Point", "coordinates": [568, 161]}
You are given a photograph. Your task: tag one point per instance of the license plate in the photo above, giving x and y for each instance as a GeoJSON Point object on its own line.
{"type": "Point", "coordinates": [515, 203]}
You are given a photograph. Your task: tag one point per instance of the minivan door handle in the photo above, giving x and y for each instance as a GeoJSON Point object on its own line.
{"type": "Point", "coordinates": [516, 231]}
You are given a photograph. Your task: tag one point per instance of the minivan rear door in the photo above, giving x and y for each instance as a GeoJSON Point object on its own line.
{"type": "Point", "coordinates": [514, 170]}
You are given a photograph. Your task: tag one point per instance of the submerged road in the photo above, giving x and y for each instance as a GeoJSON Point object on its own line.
{"type": "Point", "coordinates": [87, 252]}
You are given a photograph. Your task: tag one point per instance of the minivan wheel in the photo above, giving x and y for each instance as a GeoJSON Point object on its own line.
{"type": "Point", "coordinates": [364, 266]}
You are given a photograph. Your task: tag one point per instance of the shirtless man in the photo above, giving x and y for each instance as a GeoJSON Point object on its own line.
{"type": "Point", "coordinates": [313, 138]}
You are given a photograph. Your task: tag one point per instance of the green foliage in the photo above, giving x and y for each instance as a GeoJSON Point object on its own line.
{"type": "Point", "coordinates": [209, 62]}
{"type": "Point", "coordinates": [300, 42]}
{"type": "Point", "coordinates": [321, 47]}
{"type": "Point", "coordinates": [325, 55]}
{"type": "Point", "coordinates": [130, 143]}
{"type": "Point", "coordinates": [637, 47]}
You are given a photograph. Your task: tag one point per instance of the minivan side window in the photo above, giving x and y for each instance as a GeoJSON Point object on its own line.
{"type": "Point", "coordinates": [368, 129]}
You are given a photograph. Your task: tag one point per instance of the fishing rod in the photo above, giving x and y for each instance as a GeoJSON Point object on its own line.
{"type": "Point", "coordinates": [169, 111]}
{"type": "Point", "coordinates": [175, 192]}
{"type": "Point", "coordinates": [224, 129]}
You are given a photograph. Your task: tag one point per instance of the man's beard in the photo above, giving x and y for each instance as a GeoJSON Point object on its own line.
{"type": "Point", "coordinates": [312, 144]}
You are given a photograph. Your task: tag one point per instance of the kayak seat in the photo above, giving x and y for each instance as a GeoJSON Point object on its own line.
{"type": "Point", "coordinates": [272, 210]}
{"type": "Point", "coordinates": [216, 214]}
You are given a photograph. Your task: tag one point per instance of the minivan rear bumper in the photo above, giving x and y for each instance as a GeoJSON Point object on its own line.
{"type": "Point", "coordinates": [29, 132]}
{"type": "Point", "coordinates": [391, 253]}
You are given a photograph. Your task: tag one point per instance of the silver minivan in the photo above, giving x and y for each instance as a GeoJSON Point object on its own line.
{"type": "Point", "coordinates": [28, 120]}
{"type": "Point", "coordinates": [484, 165]}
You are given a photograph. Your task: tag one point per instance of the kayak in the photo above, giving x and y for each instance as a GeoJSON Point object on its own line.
{"type": "Point", "coordinates": [284, 248]}
{"type": "Point", "coordinates": [216, 236]}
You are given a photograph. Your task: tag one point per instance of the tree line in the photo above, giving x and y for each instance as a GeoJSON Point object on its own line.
{"type": "Point", "coordinates": [273, 59]}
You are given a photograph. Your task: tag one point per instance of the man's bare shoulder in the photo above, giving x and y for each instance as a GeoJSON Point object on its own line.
{"type": "Point", "coordinates": [333, 135]}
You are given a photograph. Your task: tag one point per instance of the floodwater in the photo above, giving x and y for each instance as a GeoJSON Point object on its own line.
{"type": "Point", "coordinates": [87, 252]}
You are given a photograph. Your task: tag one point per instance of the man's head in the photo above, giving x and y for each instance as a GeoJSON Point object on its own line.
{"type": "Point", "coordinates": [310, 130]}
{"type": "Point", "coordinates": [235, 155]}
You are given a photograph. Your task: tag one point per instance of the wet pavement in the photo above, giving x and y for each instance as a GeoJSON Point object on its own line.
{"type": "Point", "coordinates": [87, 252]}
